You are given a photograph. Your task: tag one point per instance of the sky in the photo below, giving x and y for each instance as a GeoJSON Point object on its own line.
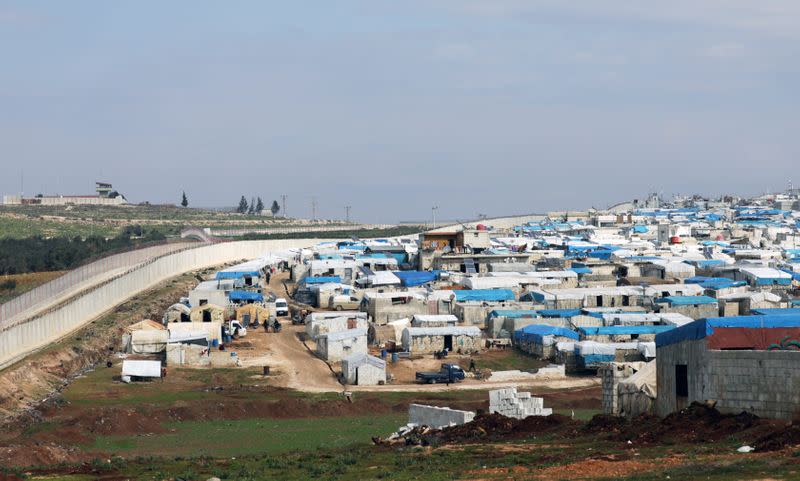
{"type": "Point", "coordinates": [492, 107]}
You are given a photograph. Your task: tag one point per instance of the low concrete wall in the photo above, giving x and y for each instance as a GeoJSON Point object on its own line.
{"type": "Point", "coordinates": [19, 340]}
{"type": "Point", "coordinates": [437, 417]}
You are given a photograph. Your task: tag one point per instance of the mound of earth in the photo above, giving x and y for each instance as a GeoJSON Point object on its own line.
{"type": "Point", "coordinates": [496, 426]}
{"type": "Point", "coordinates": [777, 440]}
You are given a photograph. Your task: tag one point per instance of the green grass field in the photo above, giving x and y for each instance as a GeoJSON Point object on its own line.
{"type": "Point", "coordinates": [224, 438]}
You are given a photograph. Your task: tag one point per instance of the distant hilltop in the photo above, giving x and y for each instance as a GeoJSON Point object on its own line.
{"type": "Point", "coordinates": [106, 195]}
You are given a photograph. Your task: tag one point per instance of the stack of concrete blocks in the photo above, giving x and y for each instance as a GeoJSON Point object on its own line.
{"type": "Point", "coordinates": [519, 405]}
{"type": "Point", "coordinates": [611, 374]}
{"type": "Point", "coordinates": [437, 417]}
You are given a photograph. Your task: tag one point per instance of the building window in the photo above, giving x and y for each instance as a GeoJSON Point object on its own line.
{"type": "Point", "coordinates": [681, 380]}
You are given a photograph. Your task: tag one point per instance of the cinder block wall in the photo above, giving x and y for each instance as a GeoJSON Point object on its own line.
{"type": "Point", "coordinates": [437, 417]}
{"type": "Point", "coordinates": [765, 383]}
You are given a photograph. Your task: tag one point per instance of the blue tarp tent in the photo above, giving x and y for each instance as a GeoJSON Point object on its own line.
{"type": "Point", "coordinates": [639, 229]}
{"type": "Point", "coordinates": [705, 327]}
{"type": "Point", "coordinates": [687, 300]}
{"type": "Point", "coordinates": [322, 280]}
{"type": "Point", "coordinates": [536, 332]}
{"type": "Point", "coordinates": [622, 330]}
{"type": "Point", "coordinates": [237, 296]}
{"type": "Point", "coordinates": [513, 313]}
{"type": "Point", "coordinates": [415, 278]}
{"type": "Point", "coordinates": [235, 274]}
{"type": "Point", "coordinates": [495, 295]}
{"type": "Point", "coordinates": [559, 312]}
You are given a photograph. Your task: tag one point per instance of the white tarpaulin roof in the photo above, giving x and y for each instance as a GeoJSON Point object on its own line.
{"type": "Point", "coordinates": [642, 381]}
{"type": "Point", "coordinates": [141, 368]}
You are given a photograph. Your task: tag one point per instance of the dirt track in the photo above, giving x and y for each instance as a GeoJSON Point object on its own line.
{"type": "Point", "coordinates": [297, 367]}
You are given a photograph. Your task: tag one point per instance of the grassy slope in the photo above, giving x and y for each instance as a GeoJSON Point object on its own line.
{"type": "Point", "coordinates": [25, 282]}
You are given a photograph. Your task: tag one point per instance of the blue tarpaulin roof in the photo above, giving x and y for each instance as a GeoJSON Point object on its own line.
{"type": "Point", "coordinates": [622, 330]}
{"type": "Point", "coordinates": [245, 296]}
{"type": "Point", "coordinates": [775, 311]}
{"type": "Point", "coordinates": [484, 295]}
{"type": "Point", "coordinates": [687, 300]}
{"type": "Point", "coordinates": [705, 262]}
{"type": "Point", "coordinates": [705, 327]}
{"type": "Point", "coordinates": [535, 332]}
{"type": "Point", "coordinates": [639, 229]}
{"type": "Point", "coordinates": [560, 312]}
{"type": "Point", "coordinates": [416, 278]}
{"type": "Point", "coordinates": [580, 270]}
{"type": "Point", "coordinates": [236, 274]}
{"type": "Point", "coordinates": [322, 280]}
{"type": "Point", "coordinates": [513, 313]}
{"type": "Point", "coordinates": [714, 283]}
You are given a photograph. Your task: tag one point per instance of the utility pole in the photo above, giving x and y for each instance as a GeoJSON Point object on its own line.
{"type": "Point", "coordinates": [314, 207]}
{"type": "Point", "coordinates": [433, 211]}
{"type": "Point", "coordinates": [347, 213]}
{"type": "Point", "coordinates": [283, 202]}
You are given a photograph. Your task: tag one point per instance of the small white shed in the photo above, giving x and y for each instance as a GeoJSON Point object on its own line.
{"type": "Point", "coordinates": [363, 370]}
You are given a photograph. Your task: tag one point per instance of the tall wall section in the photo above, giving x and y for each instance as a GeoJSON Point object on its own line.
{"type": "Point", "coordinates": [22, 337]}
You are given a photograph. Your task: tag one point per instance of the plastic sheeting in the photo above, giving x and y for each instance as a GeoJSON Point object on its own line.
{"type": "Point", "coordinates": [537, 333]}
{"type": "Point", "coordinates": [246, 296]}
{"type": "Point", "coordinates": [321, 280]}
{"type": "Point", "coordinates": [140, 368]}
{"type": "Point", "coordinates": [491, 295]}
{"type": "Point", "coordinates": [703, 328]}
{"type": "Point", "coordinates": [623, 330]}
{"type": "Point", "coordinates": [416, 278]}
{"type": "Point", "coordinates": [687, 300]}
{"type": "Point", "coordinates": [235, 274]}
{"type": "Point", "coordinates": [513, 313]}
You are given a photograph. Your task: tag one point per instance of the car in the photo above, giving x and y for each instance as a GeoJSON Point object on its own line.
{"type": "Point", "coordinates": [281, 307]}
{"type": "Point", "coordinates": [343, 302]}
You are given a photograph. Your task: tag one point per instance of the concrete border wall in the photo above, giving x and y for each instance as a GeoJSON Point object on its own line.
{"type": "Point", "coordinates": [20, 340]}
{"type": "Point", "coordinates": [28, 303]}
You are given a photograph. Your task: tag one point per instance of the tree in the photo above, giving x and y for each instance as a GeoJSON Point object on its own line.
{"type": "Point", "coordinates": [242, 209]}
{"type": "Point", "coordinates": [275, 207]}
{"type": "Point", "coordinates": [252, 209]}
{"type": "Point", "coordinates": [184, 200]}
{"type": "Point", "coordinates": [259, 205]}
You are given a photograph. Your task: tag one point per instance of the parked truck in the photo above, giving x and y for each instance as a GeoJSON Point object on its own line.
{"type": "Point", "coordinates": [448, 373]}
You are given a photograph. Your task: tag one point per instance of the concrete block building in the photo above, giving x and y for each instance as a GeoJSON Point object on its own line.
{"type": "Point", "coordinates": [426, 340]}
{"type": "Point", "coordinates": [743, 363]}
{"type": "Point", "coordinates": [336, 346]}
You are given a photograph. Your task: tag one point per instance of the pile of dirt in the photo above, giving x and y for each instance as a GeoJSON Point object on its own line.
{"type": "Point", "coordinates": [789, 436]}
{"type": "Point", "coordinates": [496, 426]}
{"type": "Point", "coordinates": [698, 423]}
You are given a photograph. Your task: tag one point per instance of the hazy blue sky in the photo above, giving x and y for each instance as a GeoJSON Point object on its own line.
{"type": "Point", "coordinates": [496, 106]}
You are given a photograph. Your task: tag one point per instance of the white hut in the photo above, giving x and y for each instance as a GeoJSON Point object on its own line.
{"type": "Point", "coordinates": [363, 370]}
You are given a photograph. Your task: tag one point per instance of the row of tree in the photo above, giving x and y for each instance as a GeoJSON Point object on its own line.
{"type": "Point", "coordinates": [38, 254]}
{"type": "Point", "coordinates": [255, 206]}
